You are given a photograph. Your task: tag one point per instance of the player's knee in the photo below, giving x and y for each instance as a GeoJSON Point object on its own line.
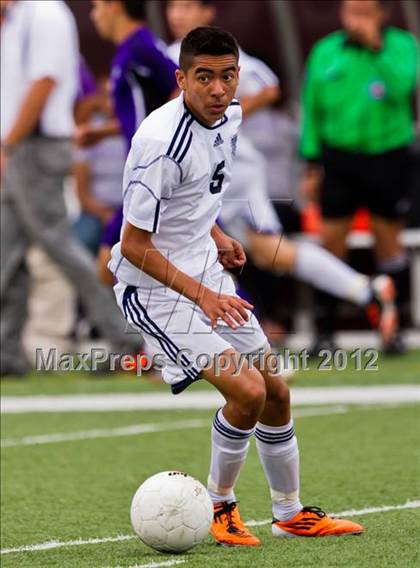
{"type": "Point", "coordinates": [279, 393]}
{"type": "Point", "coordinates": [253, 394]}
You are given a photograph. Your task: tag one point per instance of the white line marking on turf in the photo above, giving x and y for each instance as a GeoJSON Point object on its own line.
{"type": "Point", "coordinates": [376, 394]}
{"type": "Point", "coordinates": [58, 544]}
{"type": "Point", "coordinates": [138, 429]}
{"type": "Point", "coordinates": [354, 512]}
{"type": "Point", "coordinates": [154, 564]}
{"type": "Point", "coordinates": [133, 430]}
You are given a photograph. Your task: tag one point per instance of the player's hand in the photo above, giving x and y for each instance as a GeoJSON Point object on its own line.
{"type": "Point", "coordinates": [231, 309]}
{"type": "Point", "coordinates": [86, 135]}
{"type": "Point", "coordinates": [231, 254]}
{"type": "Point", "coordinates": [366, 30]}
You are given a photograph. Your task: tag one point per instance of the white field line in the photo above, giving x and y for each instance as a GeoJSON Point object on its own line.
{"type": "Point", "coordinates": [354, 512]}
{"type": "Point", "coordinates": [138, 429]}
{"type": "Point", "coordinates": [133, 430]}
{"type": "Point", "coordinates": [79, 542]}
{"type": "Point", "coordinates": [154, 564]}
{"type": "Point", "coordinates": [305, 396]}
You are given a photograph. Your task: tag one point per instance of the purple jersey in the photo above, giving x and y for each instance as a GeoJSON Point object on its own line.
{"type": "Point", "coordinates": [143, 77]}
{"type": "Point", "coordinates": [112, 231]}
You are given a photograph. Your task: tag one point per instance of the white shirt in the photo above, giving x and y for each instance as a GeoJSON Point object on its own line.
{"type": "Point", "coordinates": [175, 176]}
{"type": "Point", "coordinates": [39, 39]}
{"type": "Point", "coordinates": [254, 76]}
{"type": "Point", "coordinates": [174, 50]}
{"type": "Point", "coordinates": [105, 161]}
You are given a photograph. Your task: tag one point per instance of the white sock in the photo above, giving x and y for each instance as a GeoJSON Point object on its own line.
{"type": "Point", "coordinates": [279, 454]}
{"type": "Point", "coordinates": [228, 453]}
{"type": "Point", "coordinates": [321, 269]}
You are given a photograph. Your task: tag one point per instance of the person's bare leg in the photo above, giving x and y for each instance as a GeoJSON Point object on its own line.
{"type": "Point", "coordinates": [392, 259]}
{"type": "Point", "coordinates": [279, 455]}
{"type": "Point", "coordinates": [232, 428]}
{"type": "Point", "coordinates": [277, 445]}
{"type": "Point", "coordinates": [333, 235]}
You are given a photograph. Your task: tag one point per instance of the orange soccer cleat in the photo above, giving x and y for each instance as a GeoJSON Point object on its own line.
{"type": "Point", "coordinates": [312, 521]}
{"type": "Point", "coordinates": [228, 529]}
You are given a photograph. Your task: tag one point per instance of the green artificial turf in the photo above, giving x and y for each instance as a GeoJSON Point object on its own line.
{"type": "Point", "coordinates": [365, 457]}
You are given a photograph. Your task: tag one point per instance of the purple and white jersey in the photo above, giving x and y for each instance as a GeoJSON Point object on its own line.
{"type": "Point", "coordinates": [142, 79]}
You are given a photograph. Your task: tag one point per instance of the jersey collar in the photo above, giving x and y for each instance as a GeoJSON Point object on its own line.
{"type": "Point", "coordinates": [219, 123]}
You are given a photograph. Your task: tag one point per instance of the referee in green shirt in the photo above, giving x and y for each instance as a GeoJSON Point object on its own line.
{"type": "Point", "coordinates": [356, 130]}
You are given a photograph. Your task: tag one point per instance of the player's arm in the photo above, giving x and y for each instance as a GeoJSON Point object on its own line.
{"type": "Point", "coordinates": [398, 66]}
{"type": "Point", "coordinates": [264, 98]}
{"type": "Point", "coordinates": [89, 134]}
{"type": "Point", "coordinates": [29, 114]}
{"type": "Point", "coordinates": [88, 202]}
{"type": "Point", "coordinates": [310, 136]}
{"type": "Point", "coordinates": [137, 248]}
{"type": "Point", "coordinates": [231, 252]}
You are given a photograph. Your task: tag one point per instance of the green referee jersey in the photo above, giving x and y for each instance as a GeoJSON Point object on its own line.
{"type": "Point", "coordinates": [356, 99]}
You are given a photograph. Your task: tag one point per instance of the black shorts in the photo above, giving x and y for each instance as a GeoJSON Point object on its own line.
{"type": "Point", "coordinates": [378, 182]}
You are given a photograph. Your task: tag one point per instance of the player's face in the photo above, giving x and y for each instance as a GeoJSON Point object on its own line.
{"type": "Point", "coordinates": [185, 15]}
{"type": "Point", "coordinates": [102, 16]}
{"type": "Point", "coordinates": [209, 85]}
{"type": "Point", "coordinates": [354, 13]}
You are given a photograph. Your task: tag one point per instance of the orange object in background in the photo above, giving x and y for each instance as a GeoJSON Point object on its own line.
{"type": "Point", "coordinates": [311, 219]}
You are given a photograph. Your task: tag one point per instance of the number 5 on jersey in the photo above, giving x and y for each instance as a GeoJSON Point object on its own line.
{"type": "Point", "coordinates": [217, 178]}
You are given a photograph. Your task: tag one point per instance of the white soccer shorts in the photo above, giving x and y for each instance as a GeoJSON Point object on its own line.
{"type": "Point", "coordinates": [177, 332]}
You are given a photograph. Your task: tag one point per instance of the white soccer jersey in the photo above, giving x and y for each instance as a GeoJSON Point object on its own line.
{"type": "Point", "coordinates": [174, 179]}
{"type": "Point", "coordinates": [174, 50]}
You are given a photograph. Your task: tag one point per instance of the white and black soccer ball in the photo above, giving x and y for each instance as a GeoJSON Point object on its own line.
{"type": "Point", "coordinates": [171, 511]}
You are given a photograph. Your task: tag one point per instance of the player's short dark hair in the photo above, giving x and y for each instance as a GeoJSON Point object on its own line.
{"type": "Point", "coordinates": [206, 40]}
{"type": "Point", "coordinates": [135, 9]}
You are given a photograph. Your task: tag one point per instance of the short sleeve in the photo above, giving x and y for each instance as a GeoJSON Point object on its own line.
{"type": "Point", "coordinates": [155, 56]}
{"type": "Point", "coordinates": [51, 42]}
{"type": "Point", "coordinates": [254, 77]}
{"type": "Point", "coordinates": [149, 179]}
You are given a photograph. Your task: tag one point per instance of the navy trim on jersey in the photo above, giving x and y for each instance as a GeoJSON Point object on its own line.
{"type": "Point", "coordinates": [181, 142]}
{"type": "Point", "coordinates": [156, 219]}
{"type": "Point", "coordinates": [223, 120]}
{"type": "Point", "coordinates": [142, 320]}
{"type": "Point", "coordinates": [235, 103]}
{"type": "Point", "coordinates": [182, 156]}
{"type": "Point", "coordinates": [175, 136]}
{"type": "Point", "coordinates": [158, 158]}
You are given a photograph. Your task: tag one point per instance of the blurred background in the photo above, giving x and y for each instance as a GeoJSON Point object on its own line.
{"type": "Point", "coordinates": [281, 34]}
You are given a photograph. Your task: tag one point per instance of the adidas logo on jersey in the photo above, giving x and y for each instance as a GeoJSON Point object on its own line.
{"type": "Point", "coordinates": [218, 141]}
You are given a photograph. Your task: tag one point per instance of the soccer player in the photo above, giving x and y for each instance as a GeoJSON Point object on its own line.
{"type": "Point", "coordinates": [172, 287]}
{"type": "Point", "coordinates": [248, 215]}
{"type": "Point", "coordinates": [142, 79]}
{"type": "Point", "coordinates": [142, 74]}
{"type": "Point", "coordinates": [357, 127]}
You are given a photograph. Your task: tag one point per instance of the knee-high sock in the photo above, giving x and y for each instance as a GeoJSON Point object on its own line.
{"type": "Point", "coordinates": [321, 269]}
{"type": "Point", "coordinates": [279, 454]}
{"type": "Point", "coordinates": [229, 449]}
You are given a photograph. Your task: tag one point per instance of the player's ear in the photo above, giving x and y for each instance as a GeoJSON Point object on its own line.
{"type": "Point", "coordinates": [180, 79]}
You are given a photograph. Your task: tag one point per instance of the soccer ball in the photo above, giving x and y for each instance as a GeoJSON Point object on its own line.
{"type": "Point", "coordinates": [171, 511]}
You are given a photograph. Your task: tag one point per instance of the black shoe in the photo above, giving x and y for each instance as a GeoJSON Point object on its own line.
{"type": "Point", "coordinates": [396, 346]}
{"type": "Point", "coordinates": [325, 342]}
